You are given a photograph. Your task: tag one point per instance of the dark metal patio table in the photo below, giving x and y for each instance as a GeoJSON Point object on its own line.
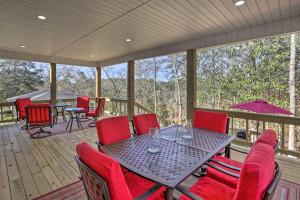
{"type": "Point", "coordinates": [177, 159]}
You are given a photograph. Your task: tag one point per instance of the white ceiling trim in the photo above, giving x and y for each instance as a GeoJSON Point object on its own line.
{"type": "Point", "coordinates": [47, 59]}
{"type": "Point", "coordinates": [265, 30]}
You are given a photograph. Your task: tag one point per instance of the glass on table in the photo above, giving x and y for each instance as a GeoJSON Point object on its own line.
{"type": "Point", "coordinates": [154, 143]}
{"type": "Point", "coordinates": [188, 133]}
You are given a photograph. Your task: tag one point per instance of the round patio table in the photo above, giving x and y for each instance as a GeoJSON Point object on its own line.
{"type": "Point", "coordinates": [74, 113]}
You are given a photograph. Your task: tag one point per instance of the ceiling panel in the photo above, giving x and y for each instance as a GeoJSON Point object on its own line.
{"type": "Point", "coordinates": [76, 29]}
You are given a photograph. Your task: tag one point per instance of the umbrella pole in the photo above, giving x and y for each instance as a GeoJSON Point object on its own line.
{"type": "Point", "coordinates": [257, 129]}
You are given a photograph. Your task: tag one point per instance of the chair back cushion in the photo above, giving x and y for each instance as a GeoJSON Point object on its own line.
{"type": "Point", "coordinates": [214, 121]}
{"type": "Point", "coordinates": [100, 106]}
{"type": "Point", "coordinates": [83, 102]}
{"type": "Point", "coordinates": [143, 122]}
{"type": "Point", "coordinates": [21, 104]}
{"type": "Point", "coordinates": [268, 137]}
{"type": "Point", "coordinates": [38, 114]}
{"type": "Point", "coordinates": [257, 173]}
{"type": "Point", "coordinates": [113, 129]}
{"type": "Point", "coordinates": [107, 168]}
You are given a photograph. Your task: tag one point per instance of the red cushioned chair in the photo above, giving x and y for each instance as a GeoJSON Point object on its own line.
{"type": "Point", "coordinates": [258, 180]}
{"type": "Point", "coordinates": [111, 130]}
{"type": "Point", "coordinates": [97, 112]}
{"type": "Point", "coordinates": [21, 103]}
{"type": "Point", "coordinates": [83, 102]}
{"type": "Point", "coordinates": [214, 121]}
{"type": "Point", "coordinates": [39, 116]}
{"type": "Point", "coordinates": [102, 178]}
{"type": "Point", "coordinates": [143, 122]}
{"type": "Point", "coordinates": [227, 171]}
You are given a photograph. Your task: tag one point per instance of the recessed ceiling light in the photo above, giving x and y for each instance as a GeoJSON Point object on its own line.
{"type": "Point", "coordinates": [128, 40]}
{"type": "Point", "coordinates": [238, 2]}
{"type": "Point", "coordinates": [23, 46]}
{"type": "Point", "coordinates": [41, 17]}
{"type": "Point", "coordinates": [92, 56]}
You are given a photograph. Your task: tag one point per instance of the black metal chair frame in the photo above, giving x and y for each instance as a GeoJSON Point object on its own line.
{"type": "Point", "coordinates": [267, 196]}
{"type": "Point", "coordinates": [102, 183]}
{"type": "Point", "coordinates": [41, 130]}
{"type": "Point", "coordinates": [92, 124]}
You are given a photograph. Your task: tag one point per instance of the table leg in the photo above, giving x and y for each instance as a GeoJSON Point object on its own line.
{"type": "Point", "coordinates": [56, 115]}
{"type": "Point", "coordinates": [69, 121]}
{"type": "Point", "coordinates": [71, 124]}
{"type": "Point", "coordinates": [169, 193]}
{"type": "Point", "coordinates": [63, 114]}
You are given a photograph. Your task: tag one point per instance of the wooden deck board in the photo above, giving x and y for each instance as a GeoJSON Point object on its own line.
{"type": "Point", "coordinates": [33, 167]}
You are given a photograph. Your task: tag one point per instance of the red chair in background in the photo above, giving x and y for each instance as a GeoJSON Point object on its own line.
{"type": "Point", "coordinates": [83, 102]}
{"type": "Point", "coordinates": [258, 179]}
{"type": "Point", "coordinates": [227, 171]}
{"type": "Point", "coordinates": [214, 121]}
{"type": "Point", "coordinates": [102, 178]}
{"type": "Point", "coordinates": [39, 116]}
{"type": "Point", "coordinates": [97, 112]}
{"type": "Point", "coordinates": [21, 103]}
{"type": "Point", "coordinates": [143, 122]}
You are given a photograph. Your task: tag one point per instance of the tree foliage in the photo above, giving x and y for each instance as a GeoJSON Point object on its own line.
{"type": "Point", "coordinates": [19, 77]}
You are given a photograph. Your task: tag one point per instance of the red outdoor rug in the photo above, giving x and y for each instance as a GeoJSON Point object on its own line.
{"type": "Point", "coordinates": [285, 191]}
{"type": "Point", "coordinates": [60, 128]}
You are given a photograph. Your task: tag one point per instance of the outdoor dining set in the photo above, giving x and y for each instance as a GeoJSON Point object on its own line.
{"type": "Point", "coordinates": [41, 115]}
{"type": "Point", "coordinates": [153, 162]}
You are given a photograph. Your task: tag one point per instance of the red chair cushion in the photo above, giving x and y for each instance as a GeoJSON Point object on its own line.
{"type": "Point", "coordinates": [220, 176]}
{"type": "Point", "coordinates": [21, 103]}
{"type": "Point", "coordinates": [83, 102]}
{"type": "Point", "coordinates": [113, 129]}
{"type": "Point", "coordinates": [210, 189]}
{"type": "Point", "coordinates": [39, 114]}
{"type": "Point", "coordinates": [213, 121]}
{"type": "Point", "coordinates": [268, 137]}
{"type": "Point", "coordinates": [143, 122]}
{"type": "Point", "coordinates": [257, 172]}
{"type": "Point", "coordinates": [107, 168]}
{"type": "Point", "coordinates": [138, 185]}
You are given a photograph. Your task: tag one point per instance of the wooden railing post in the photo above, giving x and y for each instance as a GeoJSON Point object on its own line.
{"type": "Point", "coordinates": [53, 83]}
{"type": "Point", "coordinates": [191, 82]}
{"type": "Point", "coordinates": [130, 89]}
{"type": "Point", "coordinates": [98, 82]}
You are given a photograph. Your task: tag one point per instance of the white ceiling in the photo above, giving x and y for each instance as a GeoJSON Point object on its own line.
{"type": "Point", "coordinates": [76, 29]}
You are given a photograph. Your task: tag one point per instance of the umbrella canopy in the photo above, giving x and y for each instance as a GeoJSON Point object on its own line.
{"type": "Point", "coordinates": [261, 106]}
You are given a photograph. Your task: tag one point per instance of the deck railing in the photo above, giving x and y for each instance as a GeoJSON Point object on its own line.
{"type": "Point", "coordinates": [279, 123]}
{"type": "Point", "coordinates": [238, 120]}
{"type": "Point", "coordinates": [113, 106]}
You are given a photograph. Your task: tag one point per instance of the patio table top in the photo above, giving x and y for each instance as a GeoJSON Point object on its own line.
{"type": "Point", "coordinates": [178, 158]}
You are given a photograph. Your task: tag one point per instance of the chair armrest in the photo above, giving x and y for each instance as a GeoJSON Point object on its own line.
{"type": "Point", "coordinates": [234, 149]}
{"type": "Point", "coordinates": [223, 170]}
{"type": "Point", "coordinates": [271, 188]}
{"type": "Point", "coordinates": [148, 193]}
{"type": "Point", "coordinates": [226, 165]}
{"type": "Point", "coordinates": [185, 191]}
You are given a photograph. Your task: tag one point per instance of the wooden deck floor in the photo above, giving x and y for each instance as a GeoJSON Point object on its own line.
{"type": "Point", "coordinates": [32, 167]}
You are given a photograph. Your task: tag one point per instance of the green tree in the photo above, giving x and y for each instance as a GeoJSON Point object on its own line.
{"type": "Point", "coordinates": [19, 77]}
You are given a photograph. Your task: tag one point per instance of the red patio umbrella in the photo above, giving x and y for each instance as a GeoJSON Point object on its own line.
{"type": "Point", "coordinates": [261, 106]}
